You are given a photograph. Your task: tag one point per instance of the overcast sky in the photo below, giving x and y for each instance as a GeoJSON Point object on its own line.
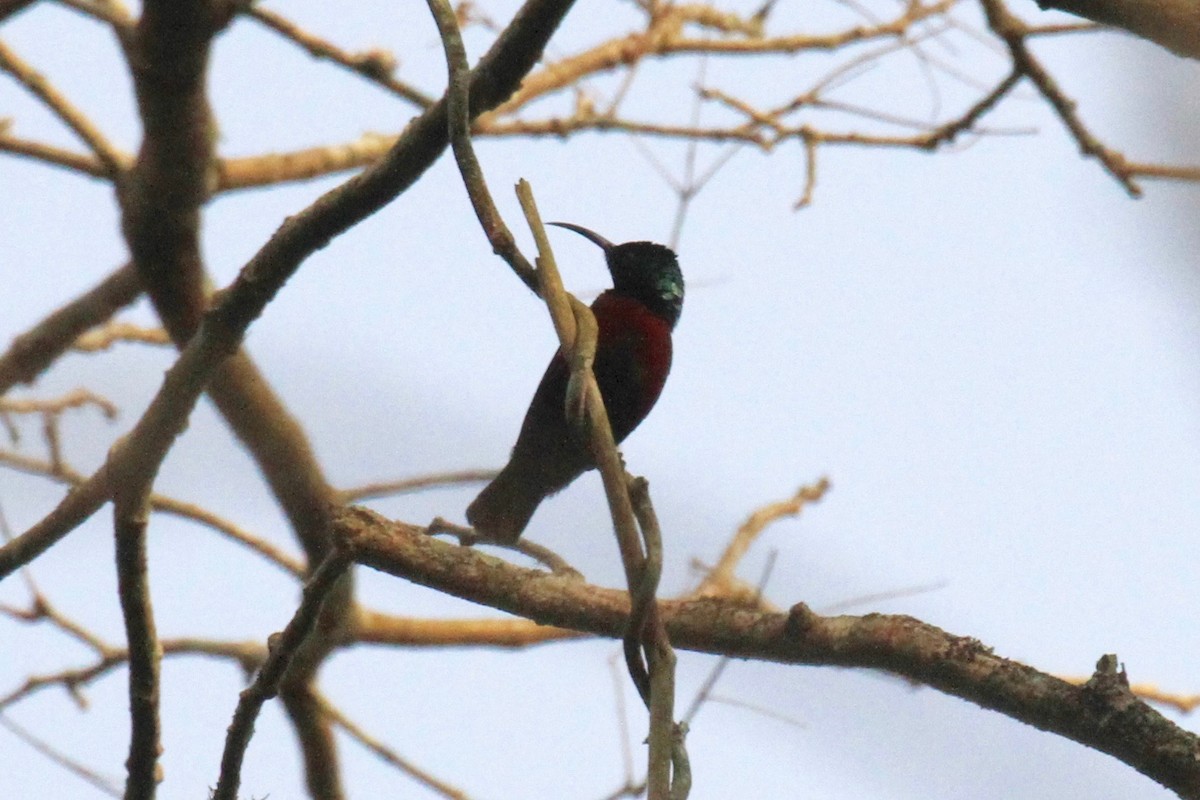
{"type": "Point", "coordinates": [991, 352]}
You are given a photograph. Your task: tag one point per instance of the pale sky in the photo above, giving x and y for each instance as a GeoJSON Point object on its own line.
{"type": "Point", "coordinates": [992, 353]}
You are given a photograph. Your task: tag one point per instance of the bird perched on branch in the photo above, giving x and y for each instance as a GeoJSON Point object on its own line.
{"type": "Point", "coordinates": [633, 356]}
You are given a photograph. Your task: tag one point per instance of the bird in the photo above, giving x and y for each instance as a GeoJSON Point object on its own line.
{"type": "Point", "coordinates": [635, 319]}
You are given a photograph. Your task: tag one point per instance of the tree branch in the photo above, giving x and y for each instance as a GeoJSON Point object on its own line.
{"type": "Point", "coordinates": [496, 76]}
{"type": "Point", "coordinates": [113, 161]}
{"type": "Point", "coordinates": [142, 769]}
{"type": "Point", "coordinates": [1102, 714]}
{"type": "Point", "coordinates": [1174, 24]}
{"type": "Point", "coordinates": [377, 66]}
{"type": "Point", "coordinates": [283, 649]}
{"type": "Point", "coordinates": [169, 505]}
{"type": "Point", "coordinates": [1013, 31]}
{"type": "Point", "coordinates": [31, 353]}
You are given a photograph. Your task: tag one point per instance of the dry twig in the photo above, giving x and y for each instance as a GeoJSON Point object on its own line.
{"type": "Point", "coordinates": [390, 756]}
{"type": "Point", "coordinates": [114, 161]}
{"type": "Point", "coordinates": [720, 578]}
{"type": "Point", "coordinates": [377, 66]}
{"type": "Point", "coordinates": [101, 783]}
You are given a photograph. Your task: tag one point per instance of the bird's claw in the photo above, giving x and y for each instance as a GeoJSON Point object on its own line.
{"type": "Point", "coordinates": [576, 396]}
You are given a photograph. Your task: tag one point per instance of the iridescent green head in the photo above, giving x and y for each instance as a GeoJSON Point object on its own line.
{"type": "Point", "coordinates": [645, 271]}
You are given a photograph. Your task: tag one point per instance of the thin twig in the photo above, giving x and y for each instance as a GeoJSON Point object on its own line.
{"type": "Point", "coordinates": [168, 505]}
{"type": "Point", "coordinates": [755, 524]}
{"type": "Point", "coordinates": [622, 721]}
{"type": "Point", "coordinates": [388, 755]}
{"type": "Point", "coordinates": [105, 785]}
{"type": "Point", "coordinates": [372, 491]}
{"type": "Point", "coordinates": [102, 337]}
{"type": "Point", "coordinates": [467, 537]}
{"type": "Point", "coordinates": [710, 683]}
{"type": "Point", "coordinates": [115, 162]}
{"type": "Point", "coordinates": [1183, 703]}
{"type": "Point", "coordinates": [374, 627]}
{"type": "Point", "coordinates": [377, 66]}
{"type": "Point", "coordinates": [248, 655]}
{"type": "Point", "coordinates": [54, 156]}
{"type": "Point", "coordinates": [130, 516]}
{"type": "Point", "coordinates": [1014, 31]}
{"type": "Point", "coordinates": [76, 398]}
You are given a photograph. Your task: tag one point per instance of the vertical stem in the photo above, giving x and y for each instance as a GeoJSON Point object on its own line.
{"type": "Point", "coordinates": [130, 521]}
{"type": "Point", "coordinates": [282, 650]}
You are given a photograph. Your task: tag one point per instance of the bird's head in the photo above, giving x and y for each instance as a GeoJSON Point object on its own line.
{"type": "Point", "coordinates": [645, 271]}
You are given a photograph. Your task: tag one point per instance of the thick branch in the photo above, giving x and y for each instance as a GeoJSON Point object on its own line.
{"type": "Point", "coordinates": [1102, 714]}
{"type": "Point", "coordinates": [175, 173]}
{"type": "Point", "coordinates": [11, 7]}
{"type": "Point", "coordinates": [1174, 24]}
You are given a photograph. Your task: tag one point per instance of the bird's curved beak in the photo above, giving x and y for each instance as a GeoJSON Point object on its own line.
{"type": "Point", "coordinates": [592, 236]}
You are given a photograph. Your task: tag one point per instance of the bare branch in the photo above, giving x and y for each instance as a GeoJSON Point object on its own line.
{"type": "Point", "coordinates": [664, 36]}
{"type": "Point", "coordinates": [34, 351]}
{"type": "Point", "coordinates": [49, 154]}
{"type": "Point", "coordinates": [1013, 31]}
{"type": "Point", "coordinates": [722, 573]}
{"type": "Point", "coordinates": [372, 491]}
{"type": "Point", "coordinates": [51, 411]}
{"type": "Point", "coordinates": [458, 114]}
{"type": "Point", "coordinates": [1184, 703]}
{"type": "Point", "coordinates": [467, 537]}
{"type": "Point", "coordinates": [112, 12]}
{"type": "Point", "coordinates": [130, 520]}
{"type": "Point", "coordinates": [1102, 714]}
{"type": "Point", "coordinates": [105, 336]}
{"type": "Point", "coordinates": [76, 398]}
{"type": "Point", "coordinates": [376, 66]}
{"type": "Point", "coordinates": [314, 730]}
{"type": "Point", "coordinates": [373, 627]}
{"type": "Point", "coordinates": [114, 161]}
{"type": "Point", "coordinates": [227, 321]}
{"type": "Point", "coordinates": [248, 655]}
{"type": "Point", "coordinates": [282, 648]}
{"type": "Point", "coordinates": [389, 755]}
{"type": "Point", "coordinates": [301, 165]}
{"type": "Point", "coordinates": [1174, 24]}
{"type": "Point", "coordinates": [168, 505]}
{"type": "Point", "coordinates": [10, 7]}
{"type": "Point", "coordinates": [105, 785]}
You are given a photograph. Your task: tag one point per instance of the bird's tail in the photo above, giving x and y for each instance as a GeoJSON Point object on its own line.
{"type": "Point", "coordinates": [504, 507]}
